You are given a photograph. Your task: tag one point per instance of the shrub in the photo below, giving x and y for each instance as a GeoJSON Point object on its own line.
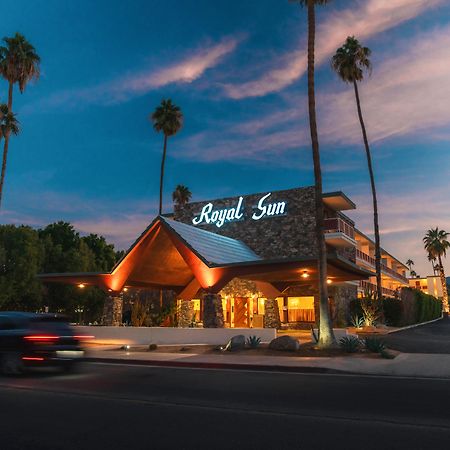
{"type": "Point", "coordinates": [253, 341]}
{"type": "Point", "coordinates": [371, 309]}
{"type": "Point", "coordinates": [392, 308]}
{"type": "Point", "coordinates": [374, 345]}
{"type": "Point", "coordinates": [350, 344]}
{"type": "Point", "coordinates": [152, 347]}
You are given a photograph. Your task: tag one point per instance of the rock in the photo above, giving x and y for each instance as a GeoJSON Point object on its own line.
{"type": "Point", "coordinates": [285, 344]}
{"type": "Point", "coordinates": [236, 343]}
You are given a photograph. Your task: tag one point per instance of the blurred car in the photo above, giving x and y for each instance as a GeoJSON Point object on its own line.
{"type": "Point", "coordinates": [30, 340]}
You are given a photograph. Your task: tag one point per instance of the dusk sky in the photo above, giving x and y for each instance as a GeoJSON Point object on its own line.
{"type": "Point", "coordinates": [88, 154]}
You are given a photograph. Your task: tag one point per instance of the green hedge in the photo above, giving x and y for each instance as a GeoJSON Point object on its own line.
{"type": "Point", "coordinates": [413, 307]}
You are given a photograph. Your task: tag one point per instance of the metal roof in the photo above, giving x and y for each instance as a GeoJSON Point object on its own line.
{"type": "Point", "coordinates": [212, 247]}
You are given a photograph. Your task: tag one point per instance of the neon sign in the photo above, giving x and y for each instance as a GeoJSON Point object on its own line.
{"type": "Point", "coordinates": [219, 217]}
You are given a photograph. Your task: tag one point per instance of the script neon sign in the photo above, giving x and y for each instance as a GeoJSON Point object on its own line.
{"type": "Point", "coordinates": [219, 217]}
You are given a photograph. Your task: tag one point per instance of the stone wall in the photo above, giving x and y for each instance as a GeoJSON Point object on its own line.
{"type": "Point", "coordinates": [340, 297]}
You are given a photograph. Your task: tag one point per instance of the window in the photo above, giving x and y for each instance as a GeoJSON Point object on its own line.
{"type": "Point", "coordinates": [301, 309]}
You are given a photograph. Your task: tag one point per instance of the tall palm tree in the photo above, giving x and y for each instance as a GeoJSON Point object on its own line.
{"type": "Point", "coordinates": [181, 195]}
{"type": "Point", "coordinates": [409, 263]}
{"type": "Point", "coordinates": [436, 244]}
{"type": "Point", "coordinates": [350, 62]}
{"type": "Point", "coordinates": [433, 262]}
{"type": "Point", "coordinates": [167, 118]}
{"type": "Point", "coordinates": [8, 125]}
{"type": "Point", "coordinates": [19, 64]}
{"type": "Point", "coordinates": [326, 335]}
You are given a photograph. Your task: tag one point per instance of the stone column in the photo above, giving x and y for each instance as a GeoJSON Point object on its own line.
{"type": "Point", "coordinates": [212, 311]}
{"type": "Point", "coordinates": [271, 314]}
{"type": "Point", "coordinates": [112, 311]}
{"type": "Point", "coordinates": [185, 314]}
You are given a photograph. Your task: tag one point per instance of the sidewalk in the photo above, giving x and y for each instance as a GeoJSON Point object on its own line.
{"type": "Point", "coordinates": [405, 364]}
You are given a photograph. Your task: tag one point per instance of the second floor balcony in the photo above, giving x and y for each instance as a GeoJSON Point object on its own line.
{"type": "Point", "coordinates": [370, 261]}
{"type": "Point", "coordinates": [339, 233]}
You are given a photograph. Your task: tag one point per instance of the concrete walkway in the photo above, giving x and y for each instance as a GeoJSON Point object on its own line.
{"type": "Point", "coordinates": [407, 365]}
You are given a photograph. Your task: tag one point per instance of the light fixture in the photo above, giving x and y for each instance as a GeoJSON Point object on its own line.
{"type": "Point", "coordinates": [305, 274]}
{"type": "Point", "coordinates": [125, 289]}
{"type": "Point", "coordinates": [81, 286]}
{"type": "Point", "coordinates": [329, 281]}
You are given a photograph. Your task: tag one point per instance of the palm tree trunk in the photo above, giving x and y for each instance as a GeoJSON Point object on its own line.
{"type": "Point", "coordinates": [3, 172]}
{"type": "Point", "coordinates": [161, 180]}
{"type": "Point", "coordinates": [326, 336]}
{"type": "Point", "coordinates": [444, 287]}
{"type": "Point", "coordinates": [374, 196]}
{"type": "Point", "coordinates": [6, 144]}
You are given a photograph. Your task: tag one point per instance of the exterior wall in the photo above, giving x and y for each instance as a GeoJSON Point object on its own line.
{"type": "Point", "coordinates": [287, 236]}
{"type": "Point", "coordinates": [429, 285]}
{"type": "Point", "coordinates": [172, 336]}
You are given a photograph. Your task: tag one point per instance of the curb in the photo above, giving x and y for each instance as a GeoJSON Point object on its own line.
{"type": "Point", "coordinates": [415, 325]}
{"type": "Point", "coordinates": [222, 366]}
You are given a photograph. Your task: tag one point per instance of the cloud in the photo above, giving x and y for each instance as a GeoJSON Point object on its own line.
{"type": "Point", "coordinates": [367, 18]}
{"type": "Point", "coordinates": [124, 88]}
{"type": "Point", "coordinates": [407, 94]}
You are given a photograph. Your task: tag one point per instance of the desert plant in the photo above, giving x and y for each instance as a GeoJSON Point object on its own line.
{"type": "Point", "coordinates": [253, 341]}
{"type": "Point", "coordinates": [374, 345]}
{"type": "Point", "coordinates": [371, 309]}
{"type": "Point", "coordinates": [152, 347]}
{"type": "Point", "coordinates": [357, 321]}
{"type": "Point", "coordinates": [350, 344]}
{"type": "Point", "coordinates": [139, 314]}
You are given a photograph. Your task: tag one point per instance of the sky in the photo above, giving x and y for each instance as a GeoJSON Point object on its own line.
{"type": "Point", "coordinates": [87, 152]}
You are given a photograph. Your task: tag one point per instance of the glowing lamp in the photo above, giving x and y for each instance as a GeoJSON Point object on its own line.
{"type": "Point", "coordinates": [305, 274]}
{"type": "Point", "coordinates": [329, 281]}
{"type": "Point", "coordinates": [81, 286]}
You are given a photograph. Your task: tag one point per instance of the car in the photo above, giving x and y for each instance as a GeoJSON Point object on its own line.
{"type": "Point", "coordinates": [30, 340]}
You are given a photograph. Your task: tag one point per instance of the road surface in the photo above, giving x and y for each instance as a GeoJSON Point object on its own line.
{"type": "Point", "coordinates": [136, 407]}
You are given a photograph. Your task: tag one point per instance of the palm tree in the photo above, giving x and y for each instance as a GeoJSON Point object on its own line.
{"type": "Point", "coordinates": [436, 244]}
{"type": "Point", "coordinates": [19, 63]}
{"type": "Point", "coordinates": [326, 335]}
{"type": "Point", "coordinates": [181, 195]}
{"type": "Point", "coordinates": [167, 118]}
{"type": "Point", "coordinates": [409, 263]}
{"type": "Point", "coordinates": [434, 264]}
{"type": "Point", "coordinates": [8, 125]}
{"type": "Point", "coordinates": [350, 62]}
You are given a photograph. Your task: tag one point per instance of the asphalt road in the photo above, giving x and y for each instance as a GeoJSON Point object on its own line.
{"type": "Point", "coordinates": [137, 407]}
{"type": "Point", "coordinates": [430, 338]}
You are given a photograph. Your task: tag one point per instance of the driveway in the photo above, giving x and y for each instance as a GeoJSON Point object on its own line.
{"type": "Point", "coordinates": [430, 338]}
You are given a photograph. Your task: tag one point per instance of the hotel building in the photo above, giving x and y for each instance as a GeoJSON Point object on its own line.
{"type": "Point", "coordinates": [428, 285]}
{"type": "Point", "coordinates": [248, 261]}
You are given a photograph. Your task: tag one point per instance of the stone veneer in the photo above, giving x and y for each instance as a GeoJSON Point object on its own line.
{"type": "Point", "coordinates": [288, 236]}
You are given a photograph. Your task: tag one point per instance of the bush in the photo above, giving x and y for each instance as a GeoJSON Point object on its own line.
{"type": "Point", "coordinates": [350, 344]}
{"type": "Point", "coordinates": [374, 345]}
{"type": "Point", "coordinates": [152, 347]}
{"type": "Point", "coordinates": [392, 309]}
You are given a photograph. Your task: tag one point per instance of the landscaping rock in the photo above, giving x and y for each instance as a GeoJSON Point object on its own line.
{"type": "Point", "coordinates": [236, 343]}
{"type": "Point", "coordinates": [285, 344]}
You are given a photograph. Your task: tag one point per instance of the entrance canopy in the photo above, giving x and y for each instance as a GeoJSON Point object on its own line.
{"type": "Point", "coordinates": [180, 257]}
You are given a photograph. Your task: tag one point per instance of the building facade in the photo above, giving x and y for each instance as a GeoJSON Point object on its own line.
{"type": "Point", "coordinates": [249, 261]}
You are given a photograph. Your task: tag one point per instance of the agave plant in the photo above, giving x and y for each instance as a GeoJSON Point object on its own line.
{"type": "Point", "coordinates": [374, 345]}
{"type": "Point", "coordinates": [357, 321]}
{"type": "Point", "coordinates": [253, 341]}
{"type": "Point", "coordinates": [350, 344]}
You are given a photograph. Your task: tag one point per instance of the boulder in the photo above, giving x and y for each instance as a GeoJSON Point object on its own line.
{"type": "Point", "coordinates": [236, 343]}
{"type": "Point", "coordinates": [284, 344]}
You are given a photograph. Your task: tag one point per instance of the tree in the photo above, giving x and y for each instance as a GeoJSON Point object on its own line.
{"type": "Point", "coordinates": [409, 263]}
{"type": "Point", "coordinates": [350, 62]}
{"type": "Point", "coordinates": [8, 125]}
{"type": "Point", "coordinates": [436, 244]}
{"type": "Point", "coordinates": [434, 264]}
{"type": "Point", "coordinates": [19, 63]}
{"type": "Point", "coordinates": [167, 118]}
{"type": "Point", "coordinates": [181, 195]}
{"type": "Point", "coordinates": [326, 338]}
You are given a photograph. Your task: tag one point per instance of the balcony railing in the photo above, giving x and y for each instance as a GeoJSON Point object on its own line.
{"type": "Point", "coordinates": [337, 225]}
{"type": "Point", "coordinates": [371, 261]}
{"type": "Point", "coordinates": [367, 286]}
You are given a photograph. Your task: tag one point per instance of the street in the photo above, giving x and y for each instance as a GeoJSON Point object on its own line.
{"type": "Point", "coordinates": [131, 407]}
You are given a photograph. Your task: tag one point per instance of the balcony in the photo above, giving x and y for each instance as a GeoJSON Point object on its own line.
{"type": "Point", "coordinates": [339, 233]}
{"type": "Point", "coordinates": [367, 286]}
{"type": "Point", "coordinates": [370, 261]}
